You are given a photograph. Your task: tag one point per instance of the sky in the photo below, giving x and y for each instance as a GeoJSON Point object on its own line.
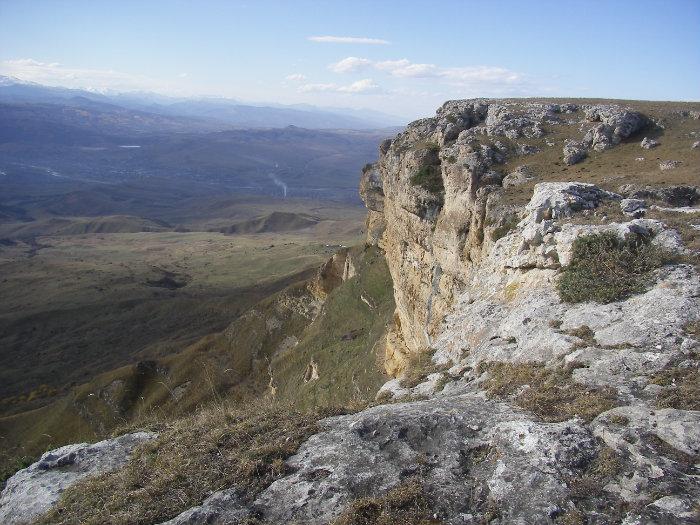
{"type": "Point", "coordinates": [400, 57]}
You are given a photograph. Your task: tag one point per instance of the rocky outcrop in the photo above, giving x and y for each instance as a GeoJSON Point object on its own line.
{"type": "Point", "coordinates": [338, 269]}
{"type": "Point", "coordinates": [372, 193]}
{"type": "Point", "coordinates": [434, 234]}
{"type": "Point", "coordinates": [32, 491]}
{"type": "Point", "coordinates": [672, 195]}
{"type": "Point", "coordinates": [616, 124]}
{"type": "Point", "coordinates": [574, 152]}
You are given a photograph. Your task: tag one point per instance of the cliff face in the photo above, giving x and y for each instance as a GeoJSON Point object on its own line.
{"type": "Point", "coordinates": [449, 187]}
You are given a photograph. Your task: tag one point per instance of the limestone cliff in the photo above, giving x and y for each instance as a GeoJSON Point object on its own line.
{"type": "Point", "coordinates": [446, 189]}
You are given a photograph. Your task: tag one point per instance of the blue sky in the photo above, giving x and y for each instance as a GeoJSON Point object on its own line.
{"type": "Point", "coordinates": [402, 57]}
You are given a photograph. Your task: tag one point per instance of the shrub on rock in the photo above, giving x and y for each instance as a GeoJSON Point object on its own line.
{"type": "Point", "coordinates": [606, 268]}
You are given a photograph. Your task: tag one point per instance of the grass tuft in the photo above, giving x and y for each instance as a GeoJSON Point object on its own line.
{"type": "Point", "coordinates": [418, 366]}
{"type": "Point", "coordinates": [406, 504]}
{"type": "Point", "coordinates": [551, 394]}
{"type": "Point", "coordinates": [605, 268]}
{"type": "Point", "coordinates": [682, 388]}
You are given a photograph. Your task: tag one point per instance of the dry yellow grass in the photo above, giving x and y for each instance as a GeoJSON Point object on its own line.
{"type": "Point", "coordinates": [217, 448]}
{"type": "Point", "coordinates": [551, 394]}
{"type": "Point", "coordinates": [406, 504]}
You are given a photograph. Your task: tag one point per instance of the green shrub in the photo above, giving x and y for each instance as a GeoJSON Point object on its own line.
{"type": "Point", "coordinates": [429, 178]}
{"type": "Point", "coordinates": [606, 268]}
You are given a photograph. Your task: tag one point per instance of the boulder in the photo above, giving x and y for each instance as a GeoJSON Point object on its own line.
{"type": "Point", "coordinates": [634, 208]}
{"type": "Point", "coordinates": [574, 152]}
{"type": "Point", "coordinates": [648, 143]}
{"type": "Point", "coordinates": [521, 175]}
{"type": "Point", "coordinates": [35, 489]}
{"type": "Point", "coordinates": [669, 165]}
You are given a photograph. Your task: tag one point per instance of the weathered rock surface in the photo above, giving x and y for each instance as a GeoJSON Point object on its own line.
{"type": "Point", "coordinates": [32, 491]}
{"type": "Point", "coordinates": [669, 165]}
{"type": "Point", "coordinates": [574, 152]}
{"type": "Point", "coordinates": [648, 143]}
{"type": "Point", "coordinates": [471, 453]}
{"type": "Point", "coordinates": [633, 207]}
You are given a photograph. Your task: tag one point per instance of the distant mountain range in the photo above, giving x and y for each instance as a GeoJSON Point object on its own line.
{"type": "Point", "coordinates": [207, 114]}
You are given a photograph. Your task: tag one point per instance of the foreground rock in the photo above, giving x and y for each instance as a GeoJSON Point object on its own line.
{"type": "Point", "coordinates": [32, 491]}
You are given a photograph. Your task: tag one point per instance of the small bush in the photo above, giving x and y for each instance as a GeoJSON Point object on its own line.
{"type": "Point", "coordinates": [605, 268]}
{"type": "Point", "coordinates": [406, 504]}
{"type": "Point", "coordinates": [549, 393]}
{"type": "Point", "coordinates": [429, 178]}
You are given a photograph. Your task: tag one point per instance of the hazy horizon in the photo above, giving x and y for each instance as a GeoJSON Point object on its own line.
{"type": "Point", "coordinates": [403, 58]}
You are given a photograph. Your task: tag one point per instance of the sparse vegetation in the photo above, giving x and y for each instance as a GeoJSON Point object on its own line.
{"type": "Point", "coordinates": [432, 146]}
{"type": "Point", "coordinates": [584, 333]}
{"type": "Point", "coordinates": [587, 487]}
{"type": "Point", "coordinates": [9, 467]}
{"type": "Point", "coordinates": [418, 366]}
{"type": "Point", "coordinates": [682, 388]}
{"type": "Point", "coordinates": [507, 225]}
{"type": "Point", "coordinates": [429, 178]}
{"type": "Point", "coordinates": [217, 448]}
{"type": "Point", "coordinates": [406, 504]}
{"type": "Point", "coordinates": [551, 394]}
{"type": "Point", "coordinates": [605, 268]}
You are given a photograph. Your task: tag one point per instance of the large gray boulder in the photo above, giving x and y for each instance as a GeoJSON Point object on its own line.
{"type": "Point", "coordinates": [574, 152]}
{"type": "Point", "coordinates": [35, 489]}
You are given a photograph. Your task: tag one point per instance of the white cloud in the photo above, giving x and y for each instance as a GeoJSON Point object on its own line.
{"type": "Point", "coordinates": [348, 40]}
{"type": "Point", "coordinates": [366, 85]}
{"type": "Point", "coordinates": [56, 74]}
{"type": "Point", "coordinates": [404, 68]}
{"type": "Point", "coordinates": [350, 64]}
{"type": "Point", "coordinates": [183, 75]}
{"type": "Point", "coordinates": [296, 77]}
